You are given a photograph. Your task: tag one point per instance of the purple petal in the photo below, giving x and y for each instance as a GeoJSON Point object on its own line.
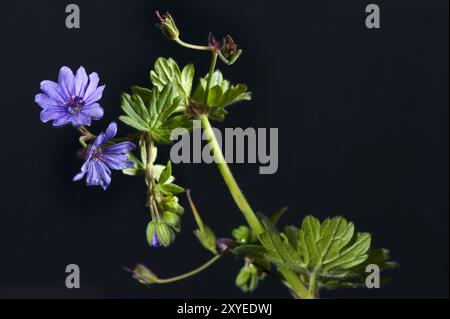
{"type": "Point", "coordinates": [155, 241]}
{"type": "Point", "coordinates": [45, 101]}
{"type": "Point", "coordinates": [63, 120]}
{"type": "Point", "coordinates": [52, 114]}
{"type": "Point", "coordinates": [80, 82]}
{"type": "Point", "coordinates": [94, 96]}
{"type": "Point", "coordinates": [81, 119]}
{"type": "Point", "coordinates": [54, 91]}
{"type": "Point", "coordinates": [82, 172]}
{"type": "Point", "coordinates": [119, 148]}
{"type": "Point", "coordinates": [111, 131]}
{"type": "Point", "coordinates": [117, 162]}
{"type": "Point", "coordinates": [95, 111]}
{"type": "Point", "coordinates": [98, 174]}
{"type": "Point", "coordinates": [66, 81]}
{"type": "Point", "coordinates": [93, 84]}
{"type": "Point", "coordinates": [98, 141]}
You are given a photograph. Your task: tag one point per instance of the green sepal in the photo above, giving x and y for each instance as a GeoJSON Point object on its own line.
{"type": "Point", "coordinates": [207, 238]}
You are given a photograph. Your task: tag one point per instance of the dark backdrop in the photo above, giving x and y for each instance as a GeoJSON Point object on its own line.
{"type": "Point", "coordinates": [363, 124]}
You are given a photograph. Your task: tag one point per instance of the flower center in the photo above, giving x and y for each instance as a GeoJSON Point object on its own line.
{"type": "Point", "coordinates": [97, 154]}
{"type": "Point", "coordinates": [74, 104]}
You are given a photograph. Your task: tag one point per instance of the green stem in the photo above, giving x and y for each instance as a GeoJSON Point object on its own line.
{"type": "Point", "coordinates": [190, 273]}
{"type": "Point", "coordinates": [151, 196]}
{"type": "Point", "coordinates": [233, 187]}
{"type": "Point", "coordinates": [211, 71]}
{"type": "Point", "coordinates": [192, 46]}
{"type": "Point", "coordinates": [312, 287]}
{"type": "Point", "coordinates": [292, 279]}
{"type": "Point", "coordinates": [197, 217]}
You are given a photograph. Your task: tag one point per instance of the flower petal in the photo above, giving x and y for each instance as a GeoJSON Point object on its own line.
{"type": "Point", "coordinates": [117, 162]}
{"type": "Point", "coordinates": [95, 111]}
{"type": "Point", "coordinates": [82, 172]}
{"type": "Point", "coordinates": [52, 114]}
{"type": "Point", "coordinates": [105, 175]}
{"type": "Point", "coordinates": [81, 119]}
{"type": "Point", "coordinates": [95, 95]}
{"type": "Point", "coordinates": [54, 91]}
{"type": "Point", "coordinates": [66, 81]}
{"type": "Point", "coordinates": [98, 141]}
{"type": "Point", "coordinates": [92, 86]}
{"type": "Point", "coordinates": [98, 174]}
{"type": "Point", "coordinates": [111, 131]}
{"type": "Point", "coordinates": [80, 82]}
{"type": "Point", "coordinates": [45, 101]}
{"type": "Point", "coordinates": [63, 120]}
{"type": "Point", "coordinates": [119, 148]}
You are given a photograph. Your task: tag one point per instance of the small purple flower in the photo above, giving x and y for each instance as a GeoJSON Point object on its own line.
{"type": "Point", "coordinates": [101, 156]}
{"type": "Point", "coordinates": [71, 100]}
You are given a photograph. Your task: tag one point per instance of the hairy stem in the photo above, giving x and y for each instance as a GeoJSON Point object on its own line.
{"type": "Point", "coordinates": [292, 279]}
{"type": "Point", "coordinates": [211, 71]}
{"type": "Point", "coordinates": [192, 46]}
{"type": "Point", "coordinates": [151, 196]}
{"type": "Point", "coordinates": [190, 273]}
{"type": "Point", "coordinates": [194, 210]}
{"type": "Point", "coordinates": [233, 187]}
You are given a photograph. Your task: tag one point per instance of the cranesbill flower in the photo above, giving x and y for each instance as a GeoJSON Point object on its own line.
{"type": "Point", "coordinates": [102, 156]}
{"type": "Point", "coordinates": [72, 100]}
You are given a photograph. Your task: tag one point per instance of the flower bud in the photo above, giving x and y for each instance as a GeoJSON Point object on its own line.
{"type": "Point", "coordinates": [248, 278]}
{"type": "Point", "coordinates": [172, 219]}
{"type": "Point", "coordinates": [229, 50]}
{"type": "Point", "coordinates": [143, 274]}
{"type": "Point", "coordinates": [152, 239]}
{"type": "Point", "coordinates": [243, 235]}
{"type": "Point", "coordinates": [164, 234]}
{"type": "Point", "coordinates": [212, 42]}
{"type": "Point", "coordinates": [170, 203]}
{"type": "Point", "coordinates": [225, 244]}
{"type": "Point", "coordinates": [167, 26]}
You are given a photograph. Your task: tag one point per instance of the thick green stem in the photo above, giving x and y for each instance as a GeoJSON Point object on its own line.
{"type": "Point", "coordinates": [292, 280]}
{"type": "Point", "coordinates": [188, 274]}
{"type": "Point", "coordinates": [233, 187]}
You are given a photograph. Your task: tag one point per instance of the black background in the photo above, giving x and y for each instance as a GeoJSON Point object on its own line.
{"type": "Point", "coordinates": [363, 124]}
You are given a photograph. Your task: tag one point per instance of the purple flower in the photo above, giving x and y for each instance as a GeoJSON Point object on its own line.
{"type": "Point", "coordinates": [102, 156]}
{"type": "Point", "coordinates": [71, 100]}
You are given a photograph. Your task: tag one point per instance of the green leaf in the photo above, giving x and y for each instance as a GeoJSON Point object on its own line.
{"type": "Point", "coordinates": [221, 94]}
{"type": "Point", "coordinates": [331, 248]}
{"type": "Point", "coordinates": [187, 77]}
{"type": "Point", "coordinates": [166, 173]}
{"type": "Point", "coordinates": [251, 251]}
{"type": "Point", "coordinates": [162, 105]}
{"type": "Point", "coordinates": [135, 116]}
{"type": "Point", "coordinates": [167, 71]}
{"type": "Point", "coordinates": [170, 188]}
{"type": "Point", "coordinates": [153, 111]}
